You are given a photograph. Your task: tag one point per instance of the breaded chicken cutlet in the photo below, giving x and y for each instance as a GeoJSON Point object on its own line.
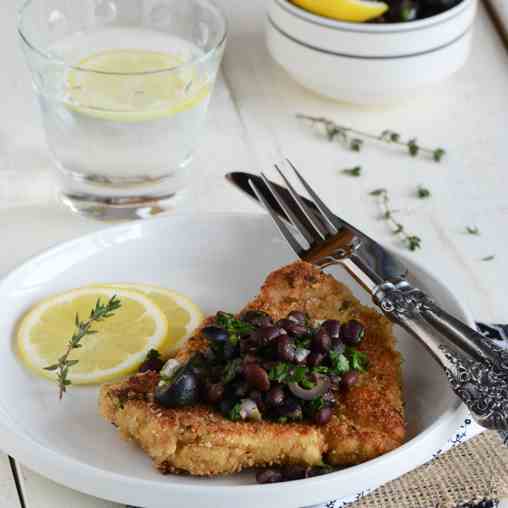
{"type": "Point", "coordinates": [368, 418]}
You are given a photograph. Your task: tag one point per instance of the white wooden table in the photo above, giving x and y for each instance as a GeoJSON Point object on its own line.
{"type": "Point", "coordinates": [251, 125]}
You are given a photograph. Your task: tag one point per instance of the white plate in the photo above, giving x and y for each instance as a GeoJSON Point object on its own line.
{"type": "Point", "coordinates": [219, 261]}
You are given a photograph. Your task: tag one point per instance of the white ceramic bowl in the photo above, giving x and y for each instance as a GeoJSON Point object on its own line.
{"type": "Point", "coordinates": [366, 63]}
{"type": "Point", "coordinates": [220, 261]}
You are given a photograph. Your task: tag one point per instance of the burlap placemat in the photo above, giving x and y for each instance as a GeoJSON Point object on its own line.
{"type": "Point", "coordinates": [468, 474]}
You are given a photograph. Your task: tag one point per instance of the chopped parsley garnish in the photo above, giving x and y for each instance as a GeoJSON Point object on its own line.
{"type": "Point", "coordinates": [340, 364]}
{"type": "Point", "coordinates": [357, 359]}
{"type": "Point", "coordinates": [316, 404]}
{"type": "Point", "coordinates": [235, 327]}
{"type": "Point", "coordinates": [234, 414]}
{"type": "Point", "coordinates": [279, 372]}
{"type": "Point", "coordinates": [287, 373]}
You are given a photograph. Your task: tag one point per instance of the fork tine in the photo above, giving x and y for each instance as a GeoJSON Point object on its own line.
{"type": "Point", "coordinates": [293, 242]}
{"type": "Point", "coordinates": [331, 219]}
{"type": "Point", "coordinates": [297, 223]}
{"type": "Point", "coordinates": [318, 228]}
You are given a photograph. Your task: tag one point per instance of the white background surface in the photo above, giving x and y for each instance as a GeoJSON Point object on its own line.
{"type": "Point", "coordinates": [251, 125]}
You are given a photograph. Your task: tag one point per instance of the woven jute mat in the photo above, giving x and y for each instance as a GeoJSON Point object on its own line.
{"type": "Point", "coordinates": [468, 474]}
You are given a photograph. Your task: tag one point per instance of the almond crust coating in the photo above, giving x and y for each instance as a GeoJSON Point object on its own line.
{"type": "Point", "coordinates": [368, 418]}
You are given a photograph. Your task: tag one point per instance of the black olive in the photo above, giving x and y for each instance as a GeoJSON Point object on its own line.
{"type": "Point", "coordinates": [338, 346]}
{"type": "Point", "coordinates": [283, 323]}
{"type": "Point", "coordinates": [248, 346]}
{"type": "Point", "coordinates": [291, 409]}
{"type": "Point", "coordinates": [296, 472]}
{"type": "Point", "coordinates": [182, 390]}
{"type": "Point", "coordinates": [442, 5]}
{"type": "Point", "coordinates": [323, 415]}
{"type": "Point", "coordinates": [352, 332]}
{"type": "Point", "coordinates": [258, 398]}
{"type": "Point", "coordinates": [298, 317]}
{"type": "Point", "coordinates": [257, 318]}
{"type": "Point", "coordinates": [332, 327]}
{"type": "Point", "coordinates": [238, 389]}
{"type": "Point", "coordinates": [214, 392]}
{"type": "Point", "coordinates": [296, 330]}
{"type": "Point", "coordinates": [257, 377]}
{"type": "Point", "coordinates": [215, 333]}
{"type": "Point", "coordinates": [314, 359]}
{"type": "Point", "coordinates": [263, 336]}
{"type": "Point", "coordinates": [230, 351]}
{"type": "Point", "coordinates": [269, 476]}
{"type": "Point", "coordinates": [321, 342]}
{"type": "Point", "coordinates": [154, 364]}
{"type": "Point", "coordinates": [285, 349]}
{"type": "Point", "coordinates": [226, 405]}
{"type": "Point", "coordinates": [402, 11]}
{"type": "Point", "coordinates": [275, 397]}
{"type": "Point", "coordinates": [350, 378]}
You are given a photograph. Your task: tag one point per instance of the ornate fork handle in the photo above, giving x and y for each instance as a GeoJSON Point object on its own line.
{"type": "Point", "coordinates": [476, 366]}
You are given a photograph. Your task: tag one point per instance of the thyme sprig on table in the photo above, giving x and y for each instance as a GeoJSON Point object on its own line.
{"type": "Point", "coordinates": [472, 230]}
{"type": "Point", "coordinates": [412, 242]}
{"type": "Point", "coordinates": [354, 138]}
{"type": "Point", "coordinates": [354, 171]}
{"type": "Point", "coordinates": [422, 192]}
{"type": "Point", "coordinates": [83, 328]}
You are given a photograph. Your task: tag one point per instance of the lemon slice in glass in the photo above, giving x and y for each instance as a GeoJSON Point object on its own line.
{"type": "Point", "coordinates": [344, 10]}
{"type": "Point", "coordinates": [118, 348]}
{"type": "Point", "coordinates": [182, 314]}
{"type": "Point", "coordinates": [130, 85]}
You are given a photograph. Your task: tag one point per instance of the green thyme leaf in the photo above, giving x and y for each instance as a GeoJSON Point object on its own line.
{"type": "Point", "coordinates": [438, 154]}
{"type": "Point", "coordinates": [489, 258]}
{"type": "Point", "coordinates": [355, 171]}
{"type": "Point", "coordinates": [472, 230]}
{"type": "Point", "coordinates": [422, 192]}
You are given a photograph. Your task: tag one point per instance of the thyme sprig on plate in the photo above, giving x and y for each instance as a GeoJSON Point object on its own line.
{"type": "Point", "coordinates": [83, 328]}
{"type": "Point", "coordinates": [354, 138]}
{"type": "Point", "coordinates": [412, 242]}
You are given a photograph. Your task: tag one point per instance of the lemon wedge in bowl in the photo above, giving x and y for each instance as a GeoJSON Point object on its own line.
{"type": "Point", "coordinates": [344, 10]}
{"type": "Point", "coordinates": [182, 314]}
{"type": "Point", "coordinates": [131, 85]}
{"type": "Point", "coordinates": [118, 347]}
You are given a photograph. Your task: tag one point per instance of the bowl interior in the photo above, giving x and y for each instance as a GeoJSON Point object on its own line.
{"type": "Point", "coordinates": [220, 261]}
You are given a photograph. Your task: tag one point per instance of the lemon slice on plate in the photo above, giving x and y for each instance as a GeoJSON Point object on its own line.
{"type": "Point", "coordinates": [130, 85]}
{"type": "Point", "coordinates": [344, 10]}
{"type": "Point", "coordinates": [118, 348]}
{"type": "Point", "coordinates": [182, 314]}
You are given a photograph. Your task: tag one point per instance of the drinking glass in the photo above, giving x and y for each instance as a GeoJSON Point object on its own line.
{"type": "Point", "coordinates": [124, 87]}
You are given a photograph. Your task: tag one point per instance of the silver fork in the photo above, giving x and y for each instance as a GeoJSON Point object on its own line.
{"type": "Point", "coordinates": [476, 367]}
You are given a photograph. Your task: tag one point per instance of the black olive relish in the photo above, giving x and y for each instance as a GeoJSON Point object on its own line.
{"type": "Point", "coordinates": [400, 11]}
{"type": "Point", "coordinates": [255, 368]}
